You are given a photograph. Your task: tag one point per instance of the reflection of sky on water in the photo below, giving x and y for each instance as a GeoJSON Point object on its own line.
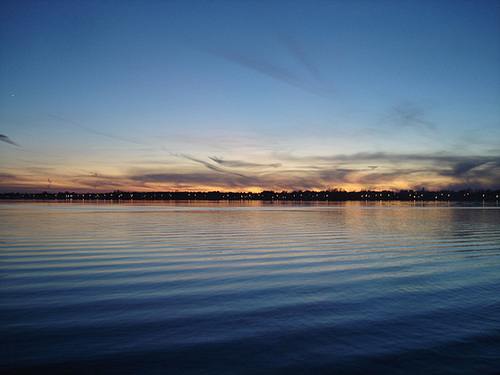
{"type": "Point", "coordinates": [308, 284]}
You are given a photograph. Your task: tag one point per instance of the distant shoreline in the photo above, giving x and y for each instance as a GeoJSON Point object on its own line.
{"type": "Point", "coordinates": [327, 195]}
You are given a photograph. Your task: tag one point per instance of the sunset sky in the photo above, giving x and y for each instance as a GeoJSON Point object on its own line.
{"type": "Point", "coordinates": [249, 95]}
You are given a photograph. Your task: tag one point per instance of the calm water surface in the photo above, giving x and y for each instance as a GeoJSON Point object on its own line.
{"type": "Point", "coordinates": [247, 288]}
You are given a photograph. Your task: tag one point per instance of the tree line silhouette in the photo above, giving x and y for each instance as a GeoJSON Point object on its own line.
{"type": "Point", "coordinates": [268, 195]}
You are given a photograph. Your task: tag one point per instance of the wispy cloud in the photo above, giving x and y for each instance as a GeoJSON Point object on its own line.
{"type": "Point", "coordinates": [462, 167]}
{"type": "Point", "coordinates": [100, 184]}
{"type": "Point", "coordinates": [7, 175]}
{"type": "Point", "coordinates": [313, 83]}
{"type": "Point", "coordinates": [274, 71]}
{"type": "Point", "coordinates": [93, 131]}
{"type": "Point", "coordinates": [243, 164]}
{"type": "Point", "coordinates": [375, 170]}
{"type": "Point", "coordinates": [410, 115]}
{"type": "Point", "coordinates": [296, 49]}
{"type": "Point", "coordinates": [6, 139]}
{"type": "Point", "coordinates": [191, 180]}
{"type": "Point", "coordinates": [212, 167]}
{"type": "Point", "coordinates": [393, 157]}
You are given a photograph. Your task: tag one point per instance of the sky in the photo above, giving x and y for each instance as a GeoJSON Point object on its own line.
{"type": "Point", "coordinates": [98, 96]}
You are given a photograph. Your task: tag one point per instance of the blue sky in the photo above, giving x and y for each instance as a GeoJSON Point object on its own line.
{"type": "Point", "coordinates": [249, 95]}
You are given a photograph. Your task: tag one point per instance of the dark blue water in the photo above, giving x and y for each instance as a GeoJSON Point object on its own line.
{"type": "Point", "coordinates": [219, 288]}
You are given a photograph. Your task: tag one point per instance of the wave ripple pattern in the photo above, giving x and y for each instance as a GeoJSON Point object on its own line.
{"type": "Point", "coordinates": [199, 288]}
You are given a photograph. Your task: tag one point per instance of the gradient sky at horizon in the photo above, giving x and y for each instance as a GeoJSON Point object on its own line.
{"type": "Point", "coordinates": [249, 95]}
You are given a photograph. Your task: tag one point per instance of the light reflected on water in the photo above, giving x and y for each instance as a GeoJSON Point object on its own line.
{"type": "Point", "coordinates": [321, 287]}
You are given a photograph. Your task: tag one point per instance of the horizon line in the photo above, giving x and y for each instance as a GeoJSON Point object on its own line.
{"type": "Point", "coordinates": [267, 195]}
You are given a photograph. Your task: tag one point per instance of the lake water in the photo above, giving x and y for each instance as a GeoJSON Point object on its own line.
{"type": "Point", "coordinates": [249, 288]}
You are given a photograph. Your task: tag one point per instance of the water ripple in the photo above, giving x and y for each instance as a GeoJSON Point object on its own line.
{"type": "Point", "coordinates": [288, 289]}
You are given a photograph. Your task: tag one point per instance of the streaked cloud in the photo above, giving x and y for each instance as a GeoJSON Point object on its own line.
{"type": "Point", "coordinates": [393, 157]}
{"type": "Point", "coordinates": [312, 82]}
{"type": "Point", "coordinates": [211, 166]}
{"type": "Point", "coordinates": [6, 139]}
{"type": "Point", "coordinates": [394, 171]}
{"type": "Point", "coordinates": [293, 45]}
{"type": "Point", "coordinates": [364, 170]}
{"type": "Point", "coordinates": [7, 175]}
{"type": "Point", "coordinates": [243, 164]}
{"type": "Point", "coordinates": [93, 131]}
{"type": "Point", "coordinates": [410, 115]}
